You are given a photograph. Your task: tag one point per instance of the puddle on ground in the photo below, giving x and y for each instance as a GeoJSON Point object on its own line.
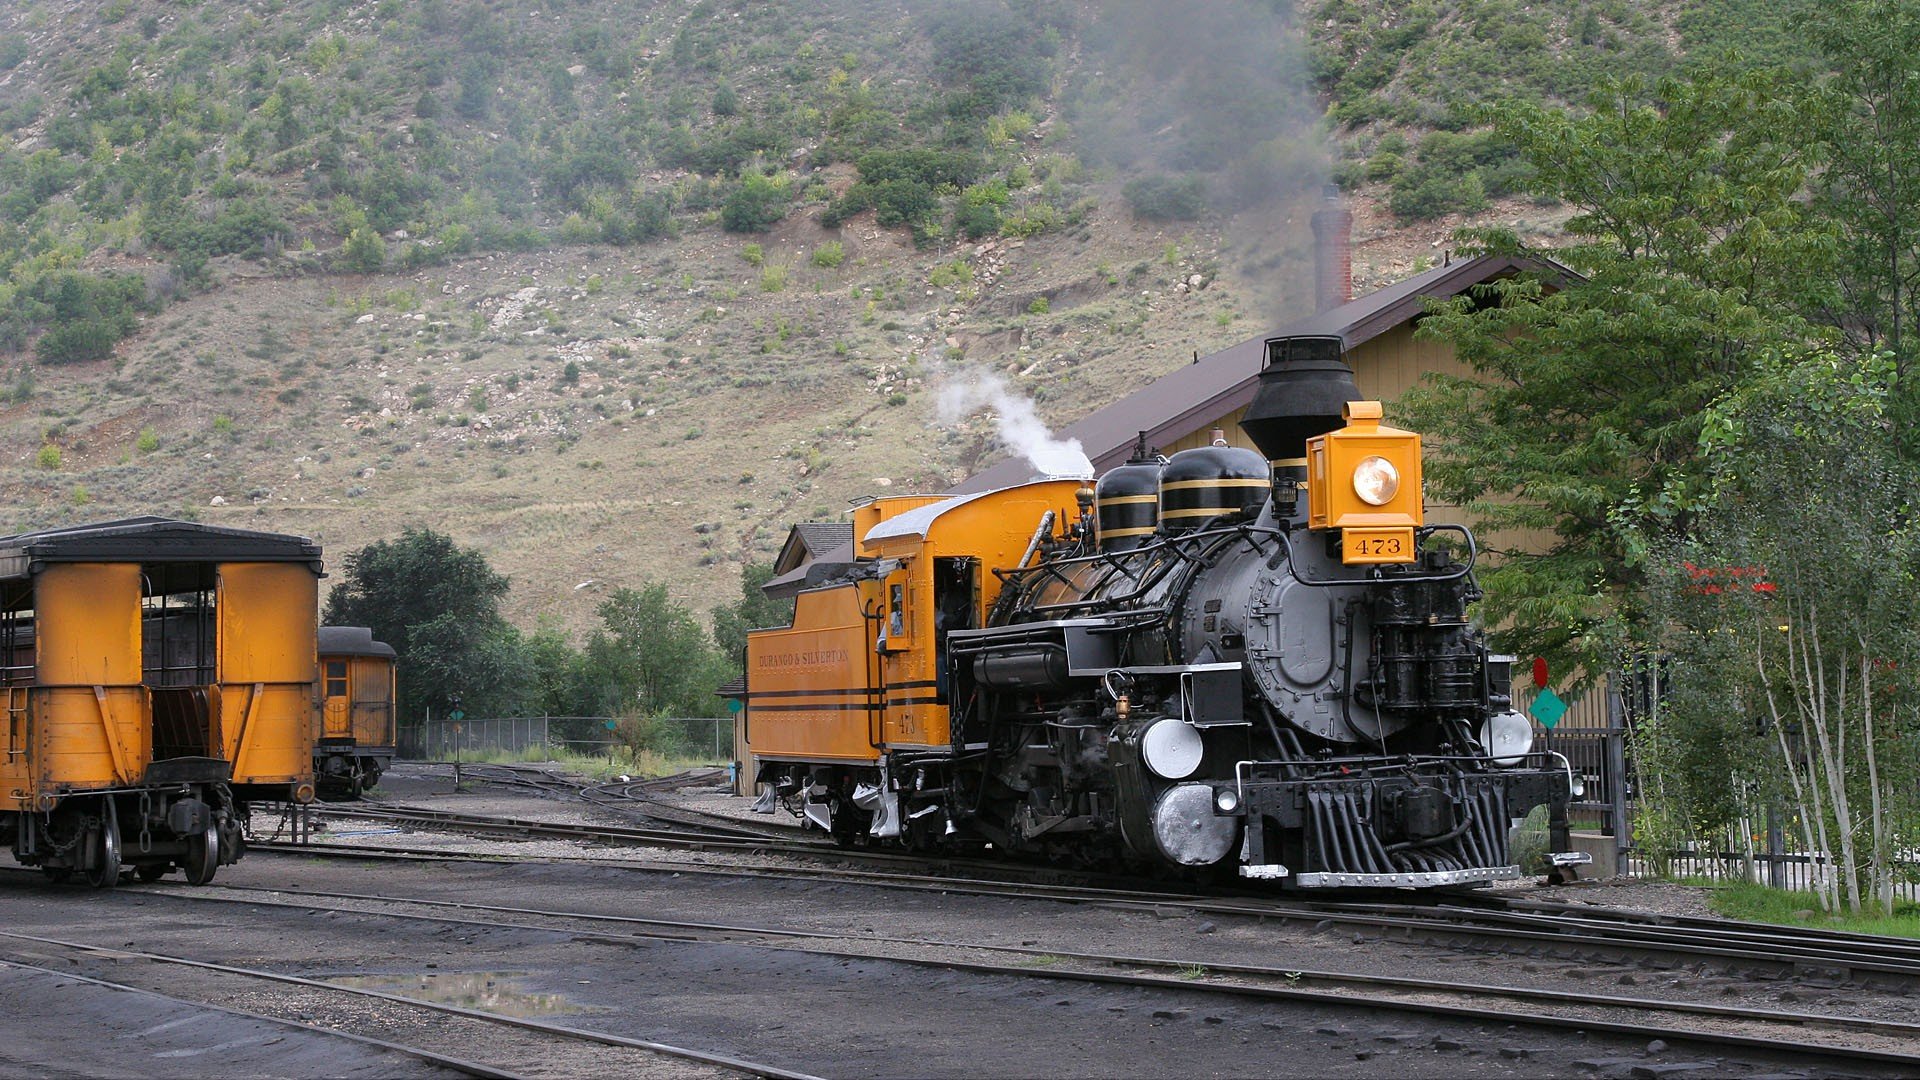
{"type": "Point", "coordinates": [488, 991]}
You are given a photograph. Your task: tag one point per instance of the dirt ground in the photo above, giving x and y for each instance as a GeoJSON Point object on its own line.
{"type": "Point", "coordinates": [830, 1016]}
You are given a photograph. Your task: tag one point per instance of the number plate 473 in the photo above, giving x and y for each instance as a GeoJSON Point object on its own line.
{"type": "Point", "coordinates": [1374, 546]}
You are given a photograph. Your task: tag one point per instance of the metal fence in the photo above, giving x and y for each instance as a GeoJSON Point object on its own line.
{"type": "Point", "coordinates": [540, 738]}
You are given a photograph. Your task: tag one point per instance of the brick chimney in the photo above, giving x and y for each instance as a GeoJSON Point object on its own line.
{"type": "Point", "coordinates": [1332, 251]}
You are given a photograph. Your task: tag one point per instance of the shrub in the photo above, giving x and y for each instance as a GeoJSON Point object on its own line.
{"type": "Point", "coordinates": [1033, 221]}
{"type": "Point", "coordinates": [755, 204]}
{"type": "Point", "coordinates": [902, 202]}
{"type": "Point", "coordinates": [1166, 198]}
{"type": "Point", "coordinates": [754, 254]}
{"type": "Point", "coordinates": [638, 217]}
{"type": "Point", "coordinates": [978, 220]}
{"type": "Point", "coordinates": [147, 442]}
{"type": "Point", "coordinates": [1421, 192]}
{"type": "Point", "coordinates": [575, 229]}
{"type": "Point", "coordinates": [48, 457]}
{"type": "Point", "coordinates": [364, 252]}
{"type": "Point", "coordinates": [1040, 306]}
{"type": "Point", "coordinates": [773, 277]}
{"type": "Point", "coordinates": [829, 255]}
{"type": "Point", "coordinates": [957, 272]}
{"type": "Point", "coordinates": [73, 343]}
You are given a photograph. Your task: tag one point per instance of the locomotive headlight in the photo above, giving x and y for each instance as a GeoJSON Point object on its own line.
{"type": "Point", "coordinates": [1375, 480]}
{"type": "Point", "coordinates": [1226, 800]}
{"type": "Point", "coordinates": [1507, 736]}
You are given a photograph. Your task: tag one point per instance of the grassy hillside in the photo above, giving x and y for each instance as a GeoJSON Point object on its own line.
{"type": "Point", "coordinates": [618, 290]}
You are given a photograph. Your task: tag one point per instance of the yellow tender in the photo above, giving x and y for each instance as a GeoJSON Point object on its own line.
{"type": "Point", "coordinates": [858, 671]}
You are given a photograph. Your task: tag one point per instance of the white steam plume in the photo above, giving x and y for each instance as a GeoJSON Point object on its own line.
{"type": "Point", "coordinates": [967, 392]}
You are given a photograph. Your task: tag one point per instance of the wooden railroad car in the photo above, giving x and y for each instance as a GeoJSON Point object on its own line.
{"type": "Point", "coordinates": [159, 677]}
{"type": "Point", "coordinates": [354, 742]}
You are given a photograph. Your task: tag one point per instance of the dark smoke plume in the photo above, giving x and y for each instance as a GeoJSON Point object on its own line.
{"type": "Point", "coordinates": [1217, 92]}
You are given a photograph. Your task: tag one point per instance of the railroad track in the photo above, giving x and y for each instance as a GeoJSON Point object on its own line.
{"type": "Point", "coordinates": [945, 874]}
{"type": "Point", "coordinates": [1806, 1038]}
{"type": "Point", "coordinates": [1472, 921]}
{"type": "Point", "coordinates": [1751, 946]}
{"type": "Point", "coordinates": [628, 797]}
{"type": "Point", "coordinates": [458, 1065]}
{"type": "Point", "coordinates": [526, 1046]}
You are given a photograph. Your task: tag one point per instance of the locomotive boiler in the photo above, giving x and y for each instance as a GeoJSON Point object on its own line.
{"type": "Point", "coordinates": [1225, 661]}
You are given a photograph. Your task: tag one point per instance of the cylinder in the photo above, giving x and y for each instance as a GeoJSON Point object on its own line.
{"type": "Point", "coordinates": [1209, 482]}
{"type": "Point", "coordinates": [1126, 505]}
{"type": "Point", "coordinates": [1037, 667]}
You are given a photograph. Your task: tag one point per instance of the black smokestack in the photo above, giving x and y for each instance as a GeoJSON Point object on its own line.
{"type": "Point", "coordinates": [1303, 388]}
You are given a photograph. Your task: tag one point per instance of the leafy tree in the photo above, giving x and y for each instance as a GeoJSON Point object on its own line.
{"type": "Point", "coordinates": [438, 605]}
{"type": "Point", "coordinates": [754, 610]}
{"type": "Point", "coordinates": [665, 665]}
{"type": "Point", "coordinates": [1792, 650]}
{"type": "Point", "coordinates": [1583, 412]}
{"type": "Point", "coordinates": [488, 669]}
{"type": "Point", "coordinates": [1867, 119]}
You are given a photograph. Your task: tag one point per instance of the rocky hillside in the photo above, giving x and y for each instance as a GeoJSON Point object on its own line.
{"type": "Point", "coordinates": [616, 291]}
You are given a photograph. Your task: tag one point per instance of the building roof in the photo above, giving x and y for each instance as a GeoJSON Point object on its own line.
{"type": "Point", "coordinates": [1177, 403]}
{"type": "Point", "coordinates": [817, 571]}
{"type": "Point", "coordinates": [809, 540]}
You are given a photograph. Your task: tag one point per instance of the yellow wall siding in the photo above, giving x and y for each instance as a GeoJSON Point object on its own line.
{"type": "Point", "coordinates": [1388, 366]}
{"type": "Point", "coordinates": [1229, 425]}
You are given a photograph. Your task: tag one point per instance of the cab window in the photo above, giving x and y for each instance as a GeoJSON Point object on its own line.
{"type": "Point", "coordinates": [336, 678]}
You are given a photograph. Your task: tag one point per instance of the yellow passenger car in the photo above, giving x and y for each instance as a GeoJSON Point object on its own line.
{"type": "Point", "coordinates": [159, 677]}
{"type": "Point", "coordinates": [355, 740]}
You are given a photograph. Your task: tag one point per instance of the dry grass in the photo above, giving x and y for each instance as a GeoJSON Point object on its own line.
{"type": "Point", "coordinates": [711, 404]}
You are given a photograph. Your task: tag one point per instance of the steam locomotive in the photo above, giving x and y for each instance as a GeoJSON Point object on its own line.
{"type": "Point", "coordinates": [1224, 662]}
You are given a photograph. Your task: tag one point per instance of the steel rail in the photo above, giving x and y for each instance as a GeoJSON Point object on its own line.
{"type": "Point", "coordinates": [561, 830]}
{"type": "Point", "coordinates": [936, 873]}
{"type": "Point", "coordinates": [527, 1023]}
{"type": "Point", "coordinates": [460, 1065]}
{"type": "Point", "coordinates": [1800, 934]}
{"type": "Point", "coordinates": [1749, 942]}
{"type": "Point", "coordinates": [1091, 896]}
{"type": "Point", "coordinates": [679, 929]}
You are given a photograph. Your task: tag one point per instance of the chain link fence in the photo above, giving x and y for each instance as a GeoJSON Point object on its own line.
{"type": "Point", "coordinates": [543, 738]}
